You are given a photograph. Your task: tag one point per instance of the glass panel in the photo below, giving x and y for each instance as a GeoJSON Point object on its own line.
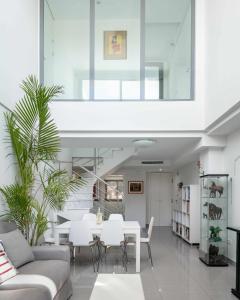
{"type": "Point", "coordinates": [117, 49]}
{"type": "Point", "coordinates": [168, 49]}
{"type": "Point", "coordinates": [114, 190]}
{"type": "Point", "coordinates": [107, 89]}
{"type": "Point", "coordinates": [66, 46]}
{"type": "Point", "coordinates": [214, 220]}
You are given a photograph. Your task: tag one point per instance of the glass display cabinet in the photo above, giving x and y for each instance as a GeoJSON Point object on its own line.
{"type": "Point", "coordinates": [214, 215]}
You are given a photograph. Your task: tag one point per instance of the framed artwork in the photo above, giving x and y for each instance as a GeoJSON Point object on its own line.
{"type": "Point", "coordinates": [115, 45]}
{"type": "Point", "coordinates": [135, 187]}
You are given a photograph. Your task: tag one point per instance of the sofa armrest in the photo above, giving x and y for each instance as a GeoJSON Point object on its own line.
{"type": "Point", "coordinates": [28, 293]}
{"type": "Point", "coordinates": [51, 253]}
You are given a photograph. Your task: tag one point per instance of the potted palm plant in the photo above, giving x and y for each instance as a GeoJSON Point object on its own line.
{"type": "Point", "coordinates": [34, 142]}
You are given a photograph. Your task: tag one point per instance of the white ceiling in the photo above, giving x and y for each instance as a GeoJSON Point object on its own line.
{"type": "Point", "coordinates": [164, 149]}
{"type": "Point", "coordinates": [157, 11]}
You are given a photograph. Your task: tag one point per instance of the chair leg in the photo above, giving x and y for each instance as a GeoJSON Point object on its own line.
{"type": "Point", "coordinates": [74, 252]}
{"type": "Point", "coordinates": [150, 253]}
{"type": "Point", "coordinates": [99, 256]}
{"type": "Point", "coordinates": [124, 257]}
{"type": "Point", "coordinates": [93, 259]}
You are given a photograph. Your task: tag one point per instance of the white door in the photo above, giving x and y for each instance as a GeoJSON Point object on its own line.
{"type": "Point", "coordinates": [159, 198]}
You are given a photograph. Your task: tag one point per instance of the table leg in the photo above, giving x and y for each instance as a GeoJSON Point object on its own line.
{"type": "Point", "coordinates": [138, 251]}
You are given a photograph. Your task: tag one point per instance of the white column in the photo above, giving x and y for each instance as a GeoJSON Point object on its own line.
{"type": "Point", "coordinates": [212, 161]}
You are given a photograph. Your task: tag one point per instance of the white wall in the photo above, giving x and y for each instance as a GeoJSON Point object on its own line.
{"type": "Point", "coordinates": [135, 205]}
{"type": "Point", "coordinates": [212, 161]}
{"type": "Point", "coordinates": [127, 116]}
{"type": "Point", "coordinates": [232, 167]}
{"type": "Point", "coordinates": [18, 59]}
{"type": "Point", "coordinates": [7, 169]}
{"type": "Point", "coordinates": [19, 46]}
{"type": "Point", "coordinates": [187, 174]}
{"type": "Point", "coordinates": [222, 63]}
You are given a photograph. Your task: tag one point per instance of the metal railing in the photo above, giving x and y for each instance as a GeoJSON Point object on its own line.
{"type": "Point", "coordinates": [98, 191]}
{"type": "Point", "coordinates": [97, 158]}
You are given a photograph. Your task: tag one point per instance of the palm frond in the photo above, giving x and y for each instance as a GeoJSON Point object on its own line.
{"type": "Point", "coordinates": [38, 130]}
{"type": "Point", "coordinates": [19, 206]}
{"type": "Point", "coordinates": [59, 187]}
{"type": "Point", "coordinates": [34, 140]}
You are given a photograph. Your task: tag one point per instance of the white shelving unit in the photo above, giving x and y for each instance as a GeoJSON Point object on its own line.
{"type": "Point", "coordinates": [186, 214]}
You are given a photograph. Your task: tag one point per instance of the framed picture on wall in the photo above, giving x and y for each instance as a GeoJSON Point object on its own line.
{"type": "Point", "coordinates": [115, 45]}
{"type": "Point", "coordinates": [135, 187]}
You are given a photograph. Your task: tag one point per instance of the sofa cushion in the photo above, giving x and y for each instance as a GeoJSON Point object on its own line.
{"type": "Point", "coordinates": [7, 226]}
{"type": "Point", "coordinates": [57, 270]}
{"type": "Point", "coordinates": [17, 248]}
{"type": "Point", "coordinates": [7, 270]}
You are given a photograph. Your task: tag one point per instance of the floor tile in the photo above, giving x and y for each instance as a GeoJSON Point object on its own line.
{"type": "Point", "coordinates": [178, 274]}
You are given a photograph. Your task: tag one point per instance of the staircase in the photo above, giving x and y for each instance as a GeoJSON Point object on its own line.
{"type": "Point", "coordinates": [91, 196]}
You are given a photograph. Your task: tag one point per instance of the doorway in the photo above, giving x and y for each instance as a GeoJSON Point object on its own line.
{"type": "Point", "coordinates": [159, 196]}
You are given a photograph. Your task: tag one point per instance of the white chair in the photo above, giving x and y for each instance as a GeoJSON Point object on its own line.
{"type": "Point", "coordinates": [90, 217]}
{"type": "Point", "coordinates": [81, 235]}
{"type": "Point", "coordinates": [115, 217]}
{"type": "Point", "coordinates": [112, 235]}
{"type": "Point", "coordinates": [147, 240]}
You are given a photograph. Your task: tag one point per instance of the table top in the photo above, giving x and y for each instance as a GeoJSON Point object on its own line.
{"type": "Point", "coordinates": [125, 224]}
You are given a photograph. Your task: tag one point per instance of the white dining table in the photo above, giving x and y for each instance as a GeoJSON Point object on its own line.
{"type": "Point", "coordinates": [129, 227]}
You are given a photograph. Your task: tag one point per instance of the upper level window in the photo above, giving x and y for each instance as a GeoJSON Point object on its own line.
{"type": "Point", "coordinates": [119, 50]}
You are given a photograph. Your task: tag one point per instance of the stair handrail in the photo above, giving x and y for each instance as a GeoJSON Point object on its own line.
{"type": "Point", "coordinates": [91, 159]}
{"type": "Point", "coordinates": [99, 155]}
{"type": "Point", "coordinates": [103, 181]}
{"type": "Point", "coordinates": [94, 175]}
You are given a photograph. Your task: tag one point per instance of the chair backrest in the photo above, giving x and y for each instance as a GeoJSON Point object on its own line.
{"type": "Point", "coordinates": [112, 233]}
{"type": "Point", "coordinates": [90, 217]}
{"type": "Point", "coordinates": [116, 217]}
{"type": "Point", "coordinates": [150, 227]}
{"type": "Point", "coordinates": [80, 233]}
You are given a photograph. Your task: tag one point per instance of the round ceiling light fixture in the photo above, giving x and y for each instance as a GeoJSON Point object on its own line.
{"type": "Point", "coordinates": [144, 142]}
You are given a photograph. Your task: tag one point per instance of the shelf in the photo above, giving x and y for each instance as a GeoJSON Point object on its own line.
{"type": "Point", "coordinates": [185, 208]}
{"type": "Point", "coordinates": [212, 198]}
{"type": "Point", "coordinates": [210, 220]}
{"type": "Point", "coordinates": [214, 203]}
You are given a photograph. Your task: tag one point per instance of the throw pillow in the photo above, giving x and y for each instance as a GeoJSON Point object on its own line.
{"type": "Point", "coordinates": [7, 269]}
{"type": "Point", "coordinates": [17, 248]}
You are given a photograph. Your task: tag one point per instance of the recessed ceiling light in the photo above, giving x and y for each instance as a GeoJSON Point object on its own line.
{"type": "Point", "coordinates": [144, 142]}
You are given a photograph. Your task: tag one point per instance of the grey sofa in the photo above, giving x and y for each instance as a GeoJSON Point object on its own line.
{"type": "Point", "coordinates": [50, 261]}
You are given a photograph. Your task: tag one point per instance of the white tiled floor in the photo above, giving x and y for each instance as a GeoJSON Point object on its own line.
{"type": "Point", "coordinates": [178, 274]}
